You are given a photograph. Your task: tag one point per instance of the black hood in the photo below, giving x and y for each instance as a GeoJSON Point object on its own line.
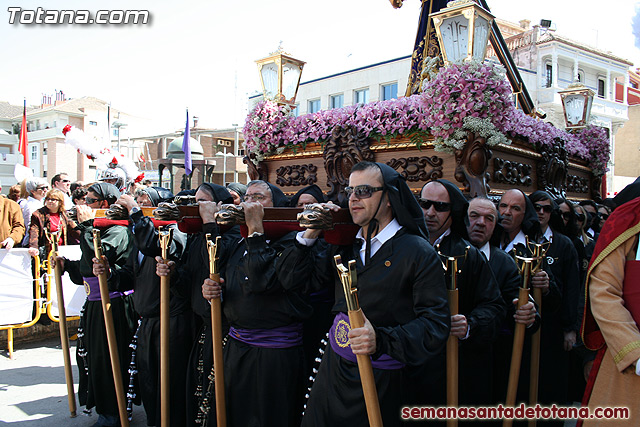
{"type": "Point", "coordinates": [106, 191]}
{"type": "Point", "coordinates": [220, 194]}
{"type": "Point", "coordinates": [158, 195]}
{"type": "Point", "coordinates": [628, 193]}
{"type": "Point", "coordinates": [239, 188]}
{"type": "Point", "coordinates": [279, 199]}
{"type": "Point", "coordinates": [459, 206]}
{"type": "Point", "coordinates": [314, 190]}
{"type": "Point", "coordinates": [405, 207]}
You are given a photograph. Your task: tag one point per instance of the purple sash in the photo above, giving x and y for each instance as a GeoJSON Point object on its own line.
{"type": "Point", "coordinates": [92, 288]}
{"type": "Point", "coordinates": [342, 347]}
{"type": "Point", "coordinates": [282, 337]}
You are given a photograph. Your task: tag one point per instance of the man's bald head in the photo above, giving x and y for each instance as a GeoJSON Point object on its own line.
{"type": "Point", "coordinates": [483, 217]}
{"type": "Point", "coordinates": [512, 208]}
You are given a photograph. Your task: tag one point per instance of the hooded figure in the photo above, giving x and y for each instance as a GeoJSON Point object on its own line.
{"type": "Point", "coordinates": [239, 188]}
{"type": "Point", "coordinates": [158, 195]}
{"type": "Point", "coordinates": [218, 192]}
{"type": "Point", "coordinates": [312, 190]}
{"type": "Point", "coordinates": [481, 309]}
{"type": "Point", "coordinates": [403, 295]}
{"type": "Point", "coordinates": [106, 191]}
{"type": "Point", "coordinates": [278, 197]}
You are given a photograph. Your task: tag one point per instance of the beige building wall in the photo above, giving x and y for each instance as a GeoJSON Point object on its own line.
{"type": "Point", "coordinates": [627, 150]}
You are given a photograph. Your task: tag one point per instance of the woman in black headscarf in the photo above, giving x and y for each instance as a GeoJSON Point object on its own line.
{"type": "Point", "coordinates": [307, 195]}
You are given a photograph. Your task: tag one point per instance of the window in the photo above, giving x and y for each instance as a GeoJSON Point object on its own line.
{"type": "Point", "coordinates": [601, 87]}
{"type": "Point", "coordinates": [296, 110]}
{"type": "Point", "coordinates": [92, 123]}
{"type": "Point", "coordinates": [314, 106]}
{"type": "Point", "coordinates": [581, 76]}
{"type": "Point", "coordinates": [362, 96]}
{"type": "Point", "coordinates": [634, 85]}
{"type": "Point", "coordinates": [337, 101]}
{"type": "Point", "coordinates": [115, 131]}
{"type": "Point", "coordinates": [548, 75]}
{"type": "Point", "coordinates": [34, 152]}
{"type": "Point", "coordinates": [389, 91]}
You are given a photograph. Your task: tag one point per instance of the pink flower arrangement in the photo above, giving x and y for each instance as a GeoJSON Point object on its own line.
{"type": "Point", "coordinates": [467, 96]}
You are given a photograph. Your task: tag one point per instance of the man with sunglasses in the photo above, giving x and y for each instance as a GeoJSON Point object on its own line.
{"type": "Point", "coordinates": [559, 328]}
{"type": "Point", "coordinates": [481, 308]}
{"type": "Point", "coordinates": [61, 182]}
{"type": "Point", "coordinates": [401, 293]}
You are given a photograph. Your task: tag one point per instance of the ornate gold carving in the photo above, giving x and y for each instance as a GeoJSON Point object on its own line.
{"type": "Point", "coordinates": [510, 172]}
{"type": "Point", "coordinates": [415, 168]}
{"type": "Point", "coordinates": [552, 168]}
{"type": "Point", "coordinates": [294, 175]}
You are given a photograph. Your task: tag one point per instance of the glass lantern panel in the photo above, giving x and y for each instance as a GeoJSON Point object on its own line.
{"type": "Point", "coordinates": [574, 107]}
{"type": "Point", "coordinates": [455, 37]}
{"type": "Point", "coordinates": [480, 38]}
{"type": "Point", "coordinates": [290, 77]}
{"type": "Point", "coordinates": [270, 79]}
{"type": "Point", "coordinates": [588, 112]}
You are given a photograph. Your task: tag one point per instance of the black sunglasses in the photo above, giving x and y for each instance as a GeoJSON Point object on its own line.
{"type": "Point", "coordinates": [580, 217]}
{"type": "Point", "coordinates": [42, 188]}
{"type": "Point", "coordinates": [545, 208]}
{"type": "Point", "coordinates": [604, 216]}
{"type": "Point", "coordinates": [566, 215]}
{"type": "Point", "coordinates": [438, 206]}
{"type": "Point", "coordinates": [90, 200]}
{"type": "Point", "coordinates": [362, 191]}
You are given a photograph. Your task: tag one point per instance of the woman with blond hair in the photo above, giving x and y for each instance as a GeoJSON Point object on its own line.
{"type": "Point", "coordinates": [49, 218]}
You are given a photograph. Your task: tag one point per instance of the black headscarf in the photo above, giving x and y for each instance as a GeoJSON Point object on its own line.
{"type": "Point", "coordinates": [191, 192]}
{"type": "Point", "coordinates": [313, 190]}
{"type": "Point", "coordinates": [239, 188]}
{"type": "Point", "coordinates": [106, 191]}
{"type": "Point", "coordinates": [220, 194]}
{"type": "Point", "coordinates": [628, 193]}
{"type": "Point", "coordinates": [404, 205]}
{"type": "Point", "coordinates": [459, 206]}
{"type": "Point", "coordinates": [278, 197]}
{"type": "Point", "coordinates": [158, 194]}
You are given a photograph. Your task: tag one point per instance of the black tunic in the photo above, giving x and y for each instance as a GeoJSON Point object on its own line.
{"type": "Point", "coordinates": [141, 276]}
{"type": "Point", "coordinates": [562, 259]}
{"type": "Point", "coordinates": [481, 303]}
{"type": "Point", "coordinates": [402, 293]}
{"type": "Point", "coordinates": [264, 386]}
{"type": "Point", "coordinates": [98, 388]}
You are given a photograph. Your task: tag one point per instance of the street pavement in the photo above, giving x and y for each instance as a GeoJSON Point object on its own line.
{"type": "Point", "coordinates": [33, 391]}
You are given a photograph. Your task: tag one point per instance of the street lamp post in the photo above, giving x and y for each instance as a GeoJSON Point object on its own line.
{"type": "Point", "coordinates": [463, 29]}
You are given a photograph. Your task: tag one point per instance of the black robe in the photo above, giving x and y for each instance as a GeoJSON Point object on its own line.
{"type": "Point", "coordinates": [479, 300]}
{"type": "Point", "coordinates": [508, 277]}
{"type": "Point", "coordinates": [402, 293]}
{"type": "Point", "coordinates": [264, 386]}
{"type": "Point", "coordinates": [191, 274]}
{"type": "Point", "coordinates": [97, 388]}
{"type": "Point", "coordinates": [562, 259]}
{"type": "Point", "coordinates": [141, 276]}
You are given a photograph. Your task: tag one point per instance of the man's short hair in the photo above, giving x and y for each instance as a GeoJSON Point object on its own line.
{"type": "Point", "coordinates": [364, 165]}
{"type": "Point", "coordinates": [589, 203]}
{"type": "Point", "coordinates": [56, 178]}
{"type": "Point", "coordinates": [260, 182]}
{"type": "Point", "coordinates": [78, 194]}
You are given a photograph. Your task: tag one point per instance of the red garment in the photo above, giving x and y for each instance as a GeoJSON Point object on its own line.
{"type": "Point", "coordinates": [54, 222]}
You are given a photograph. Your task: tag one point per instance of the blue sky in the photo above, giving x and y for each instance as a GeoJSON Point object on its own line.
{"type": "Point", "coordinates": [200, 54]}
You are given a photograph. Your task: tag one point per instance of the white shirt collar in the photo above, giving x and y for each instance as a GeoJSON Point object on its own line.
{"type": "Point", "coordinates": [520, 238]}
{"type": "Point", "coordinates": [379, 239]}
{"type": "Point", "coordinates": [442, 236]}
{"type": "Point", "coordinates": [486, 250]}
{"type": "Point", "coordinates": [548, 235]}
